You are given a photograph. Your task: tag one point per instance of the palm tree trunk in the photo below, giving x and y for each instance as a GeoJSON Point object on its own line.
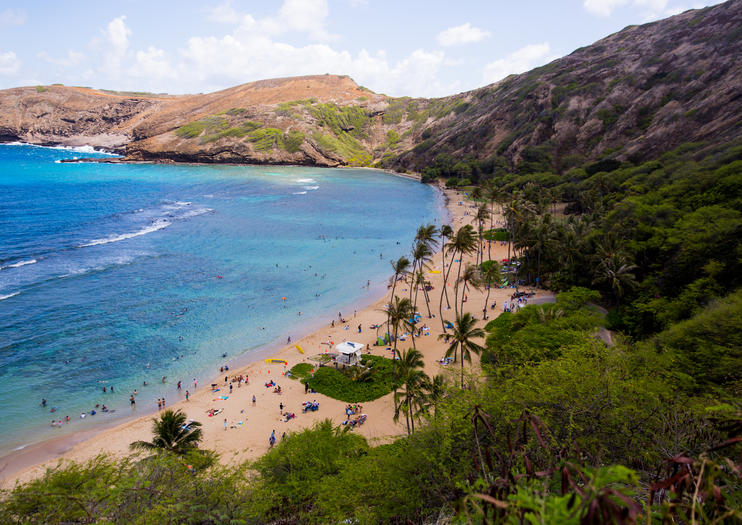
{"type": "Point", "coordinates": [443, 257]}
{"type": "Point", "coordinates": [456, 289]}
{"type": "Point", "coordinates": [412, 278]}
{"type": "Point", "coordinates": [412, 418]}
{"type": "Point", "coordinates": [486, 301]}
{"type": "Point", "coordinates": [394, 285]}
{"type": "Point", "coordinates": [407, 414]}
{"type": "Point", "coordinates": [427, 299]}
{"type": "Point", "coordinates": [461, 351]}
{"type": "Point", "coordinates": [445, 290]}
{"type": "Point", "coordinates": [538, 270]}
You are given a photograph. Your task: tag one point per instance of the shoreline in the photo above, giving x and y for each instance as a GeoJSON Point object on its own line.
{"type": "Point", "coordinates": [16, 461]}
{"type": "Point", "coordinates": [121, 159]}
{"type": "Point", "coordinates": [249, 424]}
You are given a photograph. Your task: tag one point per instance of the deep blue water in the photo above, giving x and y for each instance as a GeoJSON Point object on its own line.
{"type": "Point", "coordinates": [110, 273]}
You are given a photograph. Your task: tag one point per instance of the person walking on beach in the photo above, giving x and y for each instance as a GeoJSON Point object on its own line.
{"type": "Point", "coordinates": [253, 399]}
{"type": "Point", "coordinates": [179, 385]}
{"type": "Point", "coordinates": [225, 423]}
{"type": "Point", "coordinates": [280, 406]}
{"type": "Point", "coordinates": [195, 383]}
{"type": "Point", "coordinates": [132, 400]}
{"type": "Point", "coordinates": [188, 394]}
{"type": "Point", "coordinates": [159, 404]}
{"type": "Point", "coordinates": [272, 439]}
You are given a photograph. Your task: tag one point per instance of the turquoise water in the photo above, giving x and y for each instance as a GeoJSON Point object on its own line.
{"type": "Point", "coordinates": [119, 274]}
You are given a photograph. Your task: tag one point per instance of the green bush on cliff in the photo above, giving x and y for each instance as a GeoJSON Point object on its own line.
{"type": "Point", "coordinates": [352, 120]}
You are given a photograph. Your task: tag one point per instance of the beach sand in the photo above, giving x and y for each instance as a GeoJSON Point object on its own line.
{"type": "Point", "coordinates": [250, 440]}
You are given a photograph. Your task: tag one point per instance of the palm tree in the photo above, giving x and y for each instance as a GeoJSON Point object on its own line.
{"type": "Point", "coordinates": [409, 376]}
{"type": "Point", "coordinates": [462, 243]}
{"type": "Point", "coordinates": [493, 194]}
{"type": "Point", "coordinates": [435, 389]}
{"type": "Point", "coordinates": [172, 433]}
{"type": "Point", "coordinates": [616, 273]}
{"type": "Point", "coordinates": [427, 235]}
{"type": "Point", "coordinates": [445, 233]}
{"type": "Point", "coordinates": [421, 254]}
{"type": "Point", "coordinates": [398, 312]}
{"type": "Point", "coordinates": [464, 331]}
{"type": "Point", "coordinates": [400, 267]}
{"type": "Point", "coordinates": [470, 277]}
{"type": "Point", "coordinates": [490, 275]}
{"type": "Point", "coordinates": [481, 216]}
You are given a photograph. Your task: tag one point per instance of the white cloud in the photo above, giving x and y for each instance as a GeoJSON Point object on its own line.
{"type": "Point", "coordinates": [251, 49]}
{"type": "Point", "coordinates": [519, 61]}
{"type": "Point", "coordinates": [463, 34]}
{"type": "Point", "coordinates": [113, 45]}
{"type": "Point", "coordinates": [153, 63]}
{"type": "Point", "coordinates": [9, 63]}
{"type": "Point", "coordinates": [12, 17]}
{"type": "Point", "coordinates": [302, 16]}
{"type": "Point", "coordinates": [72, 58]}
{"type": "Point", "coordinates": [224, 13]}
{"type": "Point", "coordinates": [117, 35]}
{"type": "Point", "coordinates": [240, 57]}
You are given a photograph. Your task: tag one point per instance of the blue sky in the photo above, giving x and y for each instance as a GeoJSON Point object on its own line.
{"type": "Point", "coordinates": [402, 47]}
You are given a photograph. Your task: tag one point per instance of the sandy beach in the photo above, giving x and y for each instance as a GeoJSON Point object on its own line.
{"type": "Point", "coordinates": [248, 424]}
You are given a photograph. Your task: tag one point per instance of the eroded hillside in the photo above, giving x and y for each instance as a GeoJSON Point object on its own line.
{"type": "Point", "coordinates": [630, 96]}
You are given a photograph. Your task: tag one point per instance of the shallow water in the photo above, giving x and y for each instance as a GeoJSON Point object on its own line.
{"type": "Point", "coordinates": [112, 275]}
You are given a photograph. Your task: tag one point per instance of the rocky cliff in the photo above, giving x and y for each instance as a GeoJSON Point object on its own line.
{"type": "Point", "coordinates": [632, 95]}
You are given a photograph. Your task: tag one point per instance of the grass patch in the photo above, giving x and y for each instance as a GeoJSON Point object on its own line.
{"type": "Point", "coordinates": [345, 146]}
{"type": "Point", "coordinates": [338, 384]}
{"type": "Point", "coordinates": [301, 371]}
{"type": "Point", "coordinates": [267, 139]}
{"type": "Point", "coordinates": [498, 234]}
{"type": "Point", "coordinates": [41, 89]}
{"type": "Point", "coordinates": [216, 127]}
{"type": "Point", "coordinates": [352, 120]}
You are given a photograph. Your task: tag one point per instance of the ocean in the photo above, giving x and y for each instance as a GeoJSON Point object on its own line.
{"type": "Point", "coordinates": [116, 274]}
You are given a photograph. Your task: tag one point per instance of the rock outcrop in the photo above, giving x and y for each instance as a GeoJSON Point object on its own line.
{"type": "Point", "coordinates": [630, 96]}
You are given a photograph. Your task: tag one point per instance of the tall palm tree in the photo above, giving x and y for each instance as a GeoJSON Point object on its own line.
{"type": "Point", "coordinates": [398, 312]}
{"type": "Point", "coordinates": [470, 277]}
{"type": "Point", "coordinates": [421, 254]}
{"type": "Point", "coordinates": [427, 234]}
{"type": "Point", "coordinates": [171, 433]}
{"type": "Point", "coordinates": [435, 390]}
{"type": "Point", "coordinates": [409, 376]}
{"type": "Point", "coordinates": [490, 275]}
{"type": "Point", "coordinates": [445, 233]}
{"type": "Point", "coordinates": [493, 194]}
{"type": "Point", "coordinates": [481, 216]}
{"type": "Point", "coordinates": [462, 243]}
{"type": "Point", "coordinates": [464, 332]}
{"type": "Point", "coordinates": [400, 267]}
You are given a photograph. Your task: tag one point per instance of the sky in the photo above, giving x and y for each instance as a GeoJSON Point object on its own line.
{"type": "Point", "coordinates": [413, 48]}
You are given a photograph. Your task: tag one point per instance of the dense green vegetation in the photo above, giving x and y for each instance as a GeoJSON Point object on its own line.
{"type": "Point", "coordinates": [354, 384]}
{"type": "Point", "coordinates": [617, 403]}
{"type": "Point", "coordinates": [563, 425]}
